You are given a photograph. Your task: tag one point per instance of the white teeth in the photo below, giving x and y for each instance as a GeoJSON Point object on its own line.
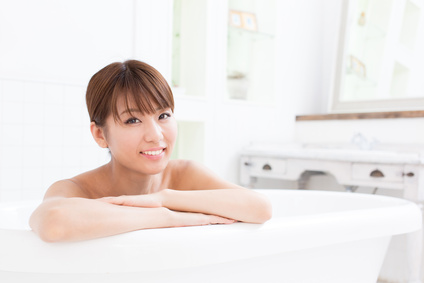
{"type": "Point", "coordinates": [156, 152]}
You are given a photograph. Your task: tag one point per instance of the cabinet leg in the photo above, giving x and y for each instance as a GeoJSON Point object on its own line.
{"type": "Point", "coordinates": [413, 256]}
{"type": "Point", "coordinates": [351, 189]}
{"type": "Point", "coordinates": [304, 178]}
{"type": "Point", "coordinates": [251, 184]}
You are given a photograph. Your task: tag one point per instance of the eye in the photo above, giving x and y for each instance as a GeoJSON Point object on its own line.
{"type": "Point", "coordinates": [164, 116]}
{"type": "Point", "coordinates": [132, 121]}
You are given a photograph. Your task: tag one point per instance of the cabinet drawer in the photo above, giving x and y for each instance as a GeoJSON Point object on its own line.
{"type": "Point", "coordinates": [377, 172]}
{"type": "Point", "coordinates": [260, 166]}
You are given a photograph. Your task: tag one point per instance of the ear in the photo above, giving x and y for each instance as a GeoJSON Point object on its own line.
{"type": "Point", "coordinates": [98, 135]}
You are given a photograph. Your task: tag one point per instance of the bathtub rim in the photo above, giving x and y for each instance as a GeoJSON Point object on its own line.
{"type": "Point", "coordinates": [393, 200]}
{"type": "Point", "coordinates": [243, 234]}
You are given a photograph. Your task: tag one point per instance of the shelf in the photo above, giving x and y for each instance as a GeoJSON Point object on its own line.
{"type": "Point", "coordinates": [365, 115]}
{"type": "Point", "coordinates": [250, 53]}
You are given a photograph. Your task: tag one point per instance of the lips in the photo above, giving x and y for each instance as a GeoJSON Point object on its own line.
{"type": "Point", "coordinates": [153, 152]}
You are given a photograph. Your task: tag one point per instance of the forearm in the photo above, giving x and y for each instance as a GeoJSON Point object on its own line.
{"type": "Point", "coordinates": [238, 204]}
{"type": "Point", "coordinates": [73, 219]}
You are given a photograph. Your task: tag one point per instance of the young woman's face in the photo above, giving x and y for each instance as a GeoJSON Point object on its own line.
{"type": "Point", "coordinates": [141, 142]}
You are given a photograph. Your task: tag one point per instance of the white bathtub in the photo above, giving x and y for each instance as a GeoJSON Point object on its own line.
{"type": "Point", "coordinates": [313, 237]}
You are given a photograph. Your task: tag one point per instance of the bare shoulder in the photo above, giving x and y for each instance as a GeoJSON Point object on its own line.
{"type": "Point", "coordinates": [78, 186]}
{"type": "Point", "coordinates": [65, 188]}
{"type": "Point", "coordinates": [192, 175]}
{"type": "Point", "coordinates": [179, 165]}
{"type": "Point", "coordinates": [182, 168]}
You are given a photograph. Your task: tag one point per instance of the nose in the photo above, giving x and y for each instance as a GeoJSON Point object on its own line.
{"type": "Point", "coordinates": [153, 132]}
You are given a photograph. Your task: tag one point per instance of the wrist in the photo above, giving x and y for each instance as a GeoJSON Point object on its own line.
{"type": "Point", "coordinates": [165, 196]}
{"type": "Point", "coordinates": [161, 217]}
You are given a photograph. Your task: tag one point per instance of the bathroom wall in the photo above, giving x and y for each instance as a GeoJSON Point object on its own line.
{"type": "Point", "coordinates": [383, 131]}
{"type": "Point", "coordinates": [44, 136]}
{"type": "Point", "coordinates": [48, 52]}
{"type": "Point", "coordinates": [50, 49]}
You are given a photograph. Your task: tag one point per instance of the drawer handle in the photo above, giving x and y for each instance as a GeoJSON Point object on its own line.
{"type": "Point", "coordinates": [267, 167]}
{"type": "Point", "coordinates": [377, 174]}
{"type": "Point", "coordinates": [409, 174]}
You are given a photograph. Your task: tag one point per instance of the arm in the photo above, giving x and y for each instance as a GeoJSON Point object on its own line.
{"type": "Point", "coordinates": [235, 203]}
{"type": "Point", "coordinates": [66, 216]}
{"type": "Point", "coordinates": [198, 190]}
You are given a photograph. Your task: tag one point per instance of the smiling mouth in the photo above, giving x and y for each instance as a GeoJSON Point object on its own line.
{"type": "Point", "coordinates": [153, 153]}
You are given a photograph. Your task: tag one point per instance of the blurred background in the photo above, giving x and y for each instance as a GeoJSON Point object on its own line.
{"type": "Point", "coordinates": [241, 72]}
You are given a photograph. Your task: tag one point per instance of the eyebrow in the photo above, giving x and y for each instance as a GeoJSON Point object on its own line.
{"type": "Point", "coordinates": [131, 110]}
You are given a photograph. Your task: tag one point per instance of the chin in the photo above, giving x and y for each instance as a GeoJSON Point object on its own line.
{"type": "Point", "coordinates": [155, 169]}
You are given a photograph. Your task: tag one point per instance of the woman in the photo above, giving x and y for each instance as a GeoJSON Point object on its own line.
{"type": "Point", "coordinates": [131, 110]}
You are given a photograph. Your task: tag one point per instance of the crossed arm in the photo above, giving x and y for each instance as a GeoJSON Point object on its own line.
{"type": "Point", "coordinates": [234, 203]}
{"type": "Point", "coordinates": [66, 215]}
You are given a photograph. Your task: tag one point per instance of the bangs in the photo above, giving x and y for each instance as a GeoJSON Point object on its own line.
{"type": "Point", "coordinates": [141, 90]}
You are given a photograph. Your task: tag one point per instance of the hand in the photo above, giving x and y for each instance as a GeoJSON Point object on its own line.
{"type": "Point", "coordinates": [182, 219]}
{"type": "Point", "coordinates": [149, 200]}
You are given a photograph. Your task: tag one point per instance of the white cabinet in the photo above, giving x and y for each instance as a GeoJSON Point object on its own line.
{"type": "Point", "coordinates": [381, 173]}
{"type": "Point", "coordinates": [391, 170]}
{"type": "Point", "coordinates": [265, 167]}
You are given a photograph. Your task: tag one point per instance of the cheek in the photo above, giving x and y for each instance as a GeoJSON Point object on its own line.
{"type": "Point", "coordinates": [123, 140]}
{"type": "Point", "coordinates": [172, 132]}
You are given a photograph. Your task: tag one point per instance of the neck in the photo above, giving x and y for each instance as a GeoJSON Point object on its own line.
{"type": "Point", "coordinates": [126, 182]}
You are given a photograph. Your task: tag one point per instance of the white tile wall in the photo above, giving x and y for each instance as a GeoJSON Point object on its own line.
{"type": "Point", "coordinates": [44, 137]}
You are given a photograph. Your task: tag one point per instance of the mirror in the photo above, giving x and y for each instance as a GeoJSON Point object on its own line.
{"type": "Point", "coordinates": [380, 57]}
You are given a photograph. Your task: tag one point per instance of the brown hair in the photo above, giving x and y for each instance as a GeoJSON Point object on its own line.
{"type": "Point", "coordinates": [136, 82]}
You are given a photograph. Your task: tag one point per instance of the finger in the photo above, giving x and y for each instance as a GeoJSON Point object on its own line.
{"type": "Point", "coordinates": [113, 200]}
{"type": "Point", "coordinates": [222, 220]}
